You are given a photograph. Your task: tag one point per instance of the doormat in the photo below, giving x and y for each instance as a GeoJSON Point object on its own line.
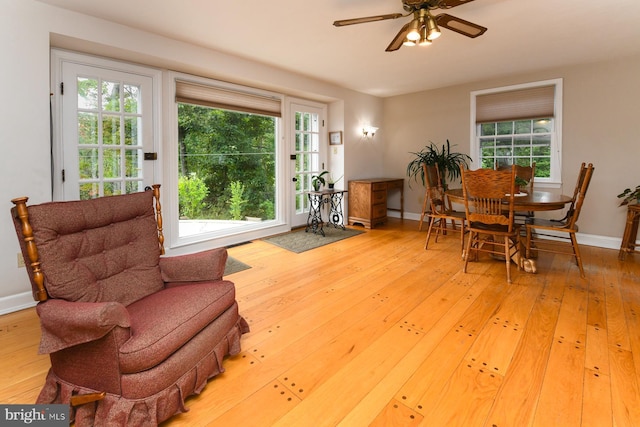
{"type": "Point", "coordinates": [234, 266]}
{"type": "Point", "coordinates": [301, 241]}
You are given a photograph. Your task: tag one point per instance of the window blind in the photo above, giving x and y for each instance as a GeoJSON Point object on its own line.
{"type": "Point", "coordinates": [530, 103]}
{"type": "Point", "coordinates": [227, 99]}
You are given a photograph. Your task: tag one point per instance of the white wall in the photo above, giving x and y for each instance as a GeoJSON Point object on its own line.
{"type": "Point", "coordinates": [29, 28]}
{"type": "Point", "coordinates": [366, 155]}
{"type": "Point", "coordinates": [24, 128]}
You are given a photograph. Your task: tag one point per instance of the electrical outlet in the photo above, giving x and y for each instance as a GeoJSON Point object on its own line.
{"type": "Point", "coordinates": [20, 260]}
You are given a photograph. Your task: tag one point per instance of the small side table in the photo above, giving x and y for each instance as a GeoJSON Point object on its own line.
{"type": "Point", "coordinates": [630, 232]}
{"type": "Point", "coordinates": [316, 200]}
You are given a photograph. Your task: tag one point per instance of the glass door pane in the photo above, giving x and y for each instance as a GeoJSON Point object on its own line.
{"type": "Point", "coordinates": [107, 126]}
{"type": "Point", "coordinates": [113, 152]}
{"type": "Point", "coordinates": [306, 133]}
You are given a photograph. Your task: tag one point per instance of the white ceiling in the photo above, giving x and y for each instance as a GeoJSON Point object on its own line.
{"type": "Point", "coordinates": [297, 35]}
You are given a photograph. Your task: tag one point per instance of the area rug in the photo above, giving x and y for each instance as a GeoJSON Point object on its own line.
{"type": "Point", "coordinates": [301, 241]}
{"type": "Point", "coordinates": [234, 266]}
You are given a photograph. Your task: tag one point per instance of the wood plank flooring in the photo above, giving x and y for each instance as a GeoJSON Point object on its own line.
{"type": "Point", "coordinates": [376, 331]}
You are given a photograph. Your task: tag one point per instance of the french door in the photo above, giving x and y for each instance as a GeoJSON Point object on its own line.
{"type": "Point", "coordinates": [106, 143]}
{"type": "Point", "coordinates": [308, 138]}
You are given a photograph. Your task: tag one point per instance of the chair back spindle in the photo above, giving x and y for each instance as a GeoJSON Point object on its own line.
{"type": "Point", "coordinates": [20, 214]}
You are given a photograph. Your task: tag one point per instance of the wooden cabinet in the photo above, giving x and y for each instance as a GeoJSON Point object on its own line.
{"type": "Point", "coordinates": [368, 200]}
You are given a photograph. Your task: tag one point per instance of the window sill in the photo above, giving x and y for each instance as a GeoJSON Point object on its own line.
{"type": "Point", "coordinates": [537, 184]}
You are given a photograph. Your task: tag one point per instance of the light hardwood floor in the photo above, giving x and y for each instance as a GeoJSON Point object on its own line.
{"type": "Point", "coordinates": [374, 330]}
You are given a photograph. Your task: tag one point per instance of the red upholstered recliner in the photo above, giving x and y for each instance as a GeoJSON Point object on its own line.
{"type": "Point", "coordinates": [130, 333]}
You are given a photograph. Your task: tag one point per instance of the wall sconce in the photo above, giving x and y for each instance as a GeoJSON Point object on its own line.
{"type": "Point", "coordinates": [369, 131]}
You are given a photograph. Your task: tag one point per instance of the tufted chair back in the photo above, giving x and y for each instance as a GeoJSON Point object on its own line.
{"type": "Point", "coordinates": [99, 250]}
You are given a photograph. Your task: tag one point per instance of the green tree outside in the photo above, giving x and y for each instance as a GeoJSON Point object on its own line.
{"type": "Point", "coordinates": [223, 147]}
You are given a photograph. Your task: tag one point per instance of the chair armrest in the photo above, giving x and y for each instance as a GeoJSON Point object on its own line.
{"type": "Point", "coordinates": [65, 324]}
{"type": "Point", "coordinates": [200, 266]}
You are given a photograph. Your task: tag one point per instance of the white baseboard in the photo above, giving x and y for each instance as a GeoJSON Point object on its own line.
{"type": "Point", "coordinates": [583, 239]}
{"type": "Point", "coordinates": [407, 215]}
{"type": "Point", "coordinates": [599, 241]}
{"type": "Point", "coordinates": [16, 302]}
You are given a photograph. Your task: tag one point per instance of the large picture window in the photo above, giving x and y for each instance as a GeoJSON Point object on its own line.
{"type": "Point", "coordinates": [227, 158]}
{"type": "Point", "coordinates": [519, 125]}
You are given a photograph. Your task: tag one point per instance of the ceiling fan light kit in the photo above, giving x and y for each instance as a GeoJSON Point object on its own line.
{"type": "Point", "coordinates": [424, 27]}
{"type": "Point", "coordinates": [424, 38]}
{"type": "Point", "coordinates": [433, 32]}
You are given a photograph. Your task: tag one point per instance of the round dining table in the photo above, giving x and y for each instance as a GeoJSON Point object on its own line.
{"type": "Point", "coordinates": [536, 201]}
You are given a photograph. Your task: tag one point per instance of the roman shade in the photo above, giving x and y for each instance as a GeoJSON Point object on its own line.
{"type": "Point", "coordinates": [529, 103]}
{"type": "Point", "coordinates": [227, 99]}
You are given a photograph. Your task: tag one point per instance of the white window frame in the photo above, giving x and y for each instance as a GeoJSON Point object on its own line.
{"type": "Point", "coordinates": [555, 181]}
{"type": "Point", "coordinates": [222, 238]}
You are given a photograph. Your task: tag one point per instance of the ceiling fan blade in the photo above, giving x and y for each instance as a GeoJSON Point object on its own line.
{"type": "Point", "coordinates": [460, 26]}
{"type": "Point", "coordinates": [343, 22]}
{"type": "Point", "coordinates": [448, 4]}
{"type": "Point", "coordinates": [397, 41]}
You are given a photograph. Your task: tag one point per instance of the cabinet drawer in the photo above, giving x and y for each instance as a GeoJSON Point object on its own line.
{"type": "Point", "coordinates": [379, 186]}
{"type": "Point", "coordinates": [379, 211]}
{"type": "Point", "coordinates": [379, 197]}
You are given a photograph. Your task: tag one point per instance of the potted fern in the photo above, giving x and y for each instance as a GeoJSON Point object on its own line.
{"type": "Point", "coordinates": [448, 162]}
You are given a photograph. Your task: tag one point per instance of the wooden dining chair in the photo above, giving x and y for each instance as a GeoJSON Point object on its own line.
{"type": "Point", "coordinates": [528, 174]}
{"type": "Point", "coordinates": [426, 204]}
{"type": "Point", "coordinates": [559, 236]}
{"type": "Point", "coordinates": [440, 207]}
{"type": "Point", "coordinates": [489, 203]}
{"type": "Point", "coordinates": [572, 205]}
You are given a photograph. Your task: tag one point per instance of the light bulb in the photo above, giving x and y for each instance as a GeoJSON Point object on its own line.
{"type": "Point", "coordinates": [414, 33]}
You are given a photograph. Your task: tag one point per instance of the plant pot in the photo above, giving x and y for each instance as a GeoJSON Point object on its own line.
{"type": "Point", "coordinates": [331, 185]}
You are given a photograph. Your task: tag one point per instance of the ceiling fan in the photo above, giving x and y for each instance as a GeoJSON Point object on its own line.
{"type": "Point", "coordinates": [424, 27]}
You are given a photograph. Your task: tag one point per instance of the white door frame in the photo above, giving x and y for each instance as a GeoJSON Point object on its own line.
{"type": "Point", "coordinates": [299, 218]}
{"type": "Point", "coordinates": [60, 58]}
